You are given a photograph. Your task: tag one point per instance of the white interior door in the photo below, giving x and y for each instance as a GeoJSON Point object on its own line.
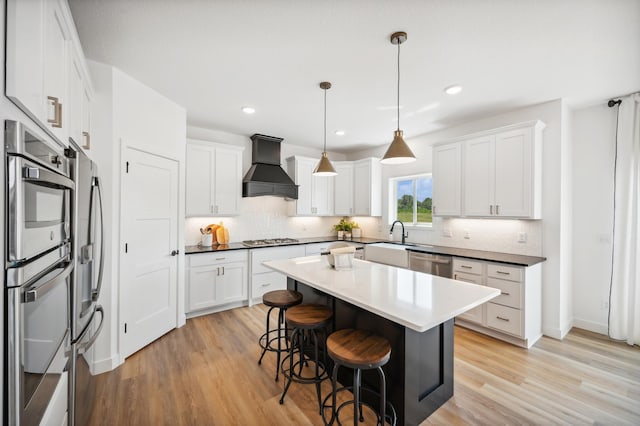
{"type": "Point", "coordinates": [148, 284]}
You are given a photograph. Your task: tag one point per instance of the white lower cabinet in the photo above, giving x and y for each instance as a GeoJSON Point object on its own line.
{"type": "Point", "coordinates": [216, 279]}
{"type": "Point", "coordinates": [514, 315]}
{"type": "Point", "coordinates": [264, 279]}
{"type": "Point", "coordinates": [471, 272]}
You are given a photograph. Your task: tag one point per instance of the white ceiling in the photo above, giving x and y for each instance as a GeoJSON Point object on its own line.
{"type": "Point", "coordinates": [213, 57]}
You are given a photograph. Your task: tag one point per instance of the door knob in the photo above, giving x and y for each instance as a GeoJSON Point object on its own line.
{"type": "Point", "coordinates": [175, 252]}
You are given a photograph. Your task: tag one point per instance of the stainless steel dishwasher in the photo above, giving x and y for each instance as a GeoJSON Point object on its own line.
{"type": "Point", "coordinates": [434, 264]}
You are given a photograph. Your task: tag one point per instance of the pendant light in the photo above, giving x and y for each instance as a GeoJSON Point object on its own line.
{"type": "Point", "coordinates": [398, 152]}
{"type": "Point", "coordinates": [324, 167]}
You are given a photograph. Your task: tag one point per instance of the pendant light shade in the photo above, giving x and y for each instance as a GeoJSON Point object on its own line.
{"type": "Point", "coordinates": [398, 152]}
{"type": "Point", "coordinates": [324, 167]}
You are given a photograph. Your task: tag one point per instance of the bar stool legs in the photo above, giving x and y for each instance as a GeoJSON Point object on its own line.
{"type": "Point", "coordinates": [282, 300]}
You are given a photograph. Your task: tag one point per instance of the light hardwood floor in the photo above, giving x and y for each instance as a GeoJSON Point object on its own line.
{"type": "Point", "coordinates": [206, 373]}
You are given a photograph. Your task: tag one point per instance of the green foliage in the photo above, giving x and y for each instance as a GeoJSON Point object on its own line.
{"type": "Point", "coordinates": [344, 225]}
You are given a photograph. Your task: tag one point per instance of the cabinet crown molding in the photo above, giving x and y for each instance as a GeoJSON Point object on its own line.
{"type": "Point", "coordinates": [537, 125]}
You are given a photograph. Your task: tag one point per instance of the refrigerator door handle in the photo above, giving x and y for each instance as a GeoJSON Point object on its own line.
{"type": "Point", "coordinates": [85, 346]}
{"type": "Point", "coordinates": [95, 293]}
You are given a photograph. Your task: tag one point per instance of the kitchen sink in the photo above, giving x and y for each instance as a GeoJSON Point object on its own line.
{"type": "Point", "coordinates": [388, 253]}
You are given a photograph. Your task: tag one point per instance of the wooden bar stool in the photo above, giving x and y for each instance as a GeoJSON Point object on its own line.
{"type": "Point", "coordinates": [359, 350]}
{"type": "Point", "coordinates": [283, 300]}
{"type": "Point", "coordinates": [307, 322]}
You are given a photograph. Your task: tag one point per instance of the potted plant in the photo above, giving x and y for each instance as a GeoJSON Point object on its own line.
{"type": "Point", "coordinates": [342, 227]}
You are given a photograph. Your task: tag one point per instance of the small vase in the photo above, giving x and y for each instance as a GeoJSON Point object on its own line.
{"type": "Point", "coordinates": [340, 235]}
{"type": "Point", "coordinates": [347, 235]}
{"type": "Point", "coordinates": [356, 232]}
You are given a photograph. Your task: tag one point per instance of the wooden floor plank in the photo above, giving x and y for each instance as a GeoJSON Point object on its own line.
{"type": "Point", "coordinates": [206, 373]}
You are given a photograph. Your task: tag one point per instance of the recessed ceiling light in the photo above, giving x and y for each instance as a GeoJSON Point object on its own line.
{"type": "Point", "coordinates": [248, 110]}
{"type": "Point", "coordinates": [453, 90]}
{"type": "Point", "coordinates": [339, 132]}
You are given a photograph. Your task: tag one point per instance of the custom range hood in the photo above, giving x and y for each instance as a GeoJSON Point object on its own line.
{"type": "Point", "coordinates": [266, 177]}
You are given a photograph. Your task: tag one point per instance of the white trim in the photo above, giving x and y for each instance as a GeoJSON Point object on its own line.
{"type": "Point", "coordinates": [588, 325]}
{"type": "Point", "coordinates": [106, 364]}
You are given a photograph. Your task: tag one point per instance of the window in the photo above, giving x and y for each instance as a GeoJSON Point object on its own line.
{"type": "Point", "coordinates": [410, 200]}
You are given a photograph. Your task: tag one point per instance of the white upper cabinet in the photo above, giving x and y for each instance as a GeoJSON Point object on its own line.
{"type": "Point", "coordinates": [367, 176]}
{"type": "Point", "coordinates": [46, 73]}
{"type": "Point", "coordinates": [213, 179]}
{"type": "Point", "coordinates": [343, 188]}
{"type": "Point", "coordinates": [315, 193]}
{"type": "Point", "coordinates": [447, 179]}
{"type": "Point", "coordinates": [502, 176]}
{"type": "Point", "coordinates": [501, 173]}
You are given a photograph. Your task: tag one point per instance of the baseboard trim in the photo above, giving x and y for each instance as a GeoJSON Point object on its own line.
{"type": "Point", "coordinates": [105, 364]}
{"type": "Point", "coordinates": [596, 327]}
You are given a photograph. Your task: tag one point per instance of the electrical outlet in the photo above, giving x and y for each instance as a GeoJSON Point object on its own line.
{"type": "Point", "coordinates": [447, 232]}
{"type": "Point", "coordinates": [522, 237]}
{"type": "Point", "coordinates": [467, 234]}
{"type": "Point", "coordinates": [604, 305]}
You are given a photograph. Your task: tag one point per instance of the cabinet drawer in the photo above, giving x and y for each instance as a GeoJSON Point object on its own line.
{"type": "Point", "coordinates": [269, 281]}
{"type": "Point", "coordinates": [273, 253]}
{"type": "Point", "coordinates": [504, 272]}
{"type": "Point", "coordinates": [206, 259]}
{"type": "Point", "coordinates": [510, 292]}
{"type": "Point", "coordinates": [468, 278]}
{"type": "Point", "coordinates": [503, 318]}
{"type": "Point", "coordinates": [467, 266]}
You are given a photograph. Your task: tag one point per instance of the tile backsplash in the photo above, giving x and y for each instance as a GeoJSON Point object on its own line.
{"type": "Point", "coordinates": [268, 217]}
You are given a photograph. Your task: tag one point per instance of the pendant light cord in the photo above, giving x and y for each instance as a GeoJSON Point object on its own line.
{"type": "Point", "coordinates": [398, 93]}
{"type": "Point", "coordinates": [325, 120]}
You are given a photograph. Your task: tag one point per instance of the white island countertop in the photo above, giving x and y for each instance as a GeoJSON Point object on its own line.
{"type": "Point", "coordinates": [415, 300]}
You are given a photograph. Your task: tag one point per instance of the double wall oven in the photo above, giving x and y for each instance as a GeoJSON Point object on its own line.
{"type": "Point", "coordinates": [38, 267]}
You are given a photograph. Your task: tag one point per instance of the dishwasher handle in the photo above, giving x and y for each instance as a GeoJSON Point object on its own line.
{"type": "Point", "coordinates": [444, 260]}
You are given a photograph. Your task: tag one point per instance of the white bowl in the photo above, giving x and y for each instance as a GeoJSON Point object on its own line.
{"type": "Point", "coordinates": [339, 244]}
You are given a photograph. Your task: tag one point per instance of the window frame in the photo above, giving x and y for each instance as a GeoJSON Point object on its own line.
{"type": "Point", "coordinates": [393, 200]}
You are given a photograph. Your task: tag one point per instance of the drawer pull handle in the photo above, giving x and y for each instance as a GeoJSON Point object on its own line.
{"type": "Point", "coordinates": [505, 293]}
{"type": "Point", "coordinates": [503, 273]}
{"type": "Point", "coordinates": [265, 285]}
{"type": "Point", "coordinates": [220, 258]}
{"type": "Point", "coordinates": [503, 319]}
{"type": "Point", "coordinates": [466, 267]}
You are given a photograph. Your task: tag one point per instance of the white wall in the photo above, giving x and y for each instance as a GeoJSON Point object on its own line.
{"type": "Point", "coordinates": [544, 236]}
{"type": "Point", "coordinates": [127, 113]}
{"type": "Point", "coordinates": [594, 155]}
{"type": "Point", "coordinates": [261, 217]}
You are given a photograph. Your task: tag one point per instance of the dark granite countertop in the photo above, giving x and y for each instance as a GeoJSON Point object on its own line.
{"type": "Point", "coordinates": [240, 246]}
{"type": "Point", "coordinates": [513, 259]}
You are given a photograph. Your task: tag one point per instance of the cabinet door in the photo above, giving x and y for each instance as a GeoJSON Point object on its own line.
{"type": "Point", "coordinates": [362, 193]}
{"type": "Point", "coordinates": [343, 189]}
{"type": "Point", "coordinates": [201, 288]}
{"type": "Point", "coordinates": [25, 56]}
{"type": "Point", "coordinates": [55, 70]}
{"type": "Point", "coordinates": [322, 195]}
{"type": "Point", "coordinates": [446, 180]}
{"type": "Point", "coordinates": [231, 285]}
{"type": "Point", "coordinates": [514, 173]}
{"type": "Point", "coordinates": [76, 95]}
{"type": "Point", "coordinates": [479, 179]}
{"type": "Point", "coordinates": [476, 314]}
{"type": "Point", "coordinates": [86, 118]}
{"type": "Point", "coordinates": [227, 182]}
{"type": "Point", "coordinates": [303, 178]}
{"type": "Point", "coordinates": [199, 190]}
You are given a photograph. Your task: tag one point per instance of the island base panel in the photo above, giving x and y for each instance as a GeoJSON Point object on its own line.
{"type": "Point", "coordinates": [419, 373]}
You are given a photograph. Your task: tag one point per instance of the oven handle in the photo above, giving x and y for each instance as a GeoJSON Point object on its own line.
{"type": "Point", "coordinates": [41, 176]}
{"type": "Point", "coordinates": [83, 348]}
{"type": "Point", "coordinates": [34, 294]}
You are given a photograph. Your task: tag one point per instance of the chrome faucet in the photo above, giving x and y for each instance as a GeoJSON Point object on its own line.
{"type": "Point", "coordinates": [401, 224]}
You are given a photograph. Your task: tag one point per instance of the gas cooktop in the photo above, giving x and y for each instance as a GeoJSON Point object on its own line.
{"type": "Point", "coordinates": [269, 242]}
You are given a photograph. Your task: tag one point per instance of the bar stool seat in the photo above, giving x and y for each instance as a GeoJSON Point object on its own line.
{"type": "Point", "coordinates": [359, 350]}
{"type": "Point", "coordinates": [271, 340]}
{"type": "Point", "coordinates": [307, 321]}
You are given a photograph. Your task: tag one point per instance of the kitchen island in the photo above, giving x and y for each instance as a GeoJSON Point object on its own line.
{"type": "Point", "coordinates": [413, 310]}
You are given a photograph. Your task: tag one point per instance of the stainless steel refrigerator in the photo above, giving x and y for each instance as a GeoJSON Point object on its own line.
{"type": "Point", "coordinates": [87, 316]}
